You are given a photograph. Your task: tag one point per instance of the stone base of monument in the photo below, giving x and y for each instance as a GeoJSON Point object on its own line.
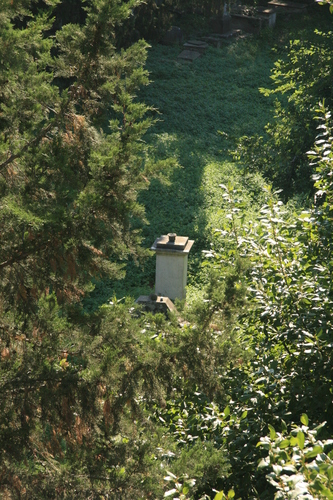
{"type": "Point", "coordinates": [156, 304]}
{"type": "Point", "coordinates": [253, 19]}
{"type": "Point", "coordinates": [193, 49]}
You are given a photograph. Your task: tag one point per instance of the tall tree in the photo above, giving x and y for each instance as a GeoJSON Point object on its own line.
{"type": "Point", "coordinates": [72, 159]}
{"type": "Point", "coordinates": [72, 162]}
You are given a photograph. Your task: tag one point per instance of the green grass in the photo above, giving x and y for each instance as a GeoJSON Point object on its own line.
{"type": "Point", "coordinates": [195, 101]}
{"type": "Point", "coordinates": [217, 92]}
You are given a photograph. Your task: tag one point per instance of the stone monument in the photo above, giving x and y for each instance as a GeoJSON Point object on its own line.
{"type": "Point", "coordinates": [171, 265]}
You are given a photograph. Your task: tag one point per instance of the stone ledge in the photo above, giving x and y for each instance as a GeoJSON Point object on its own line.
{"type": "Point", "coordinates": [156, 304]}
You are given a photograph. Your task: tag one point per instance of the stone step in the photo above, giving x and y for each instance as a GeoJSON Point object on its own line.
{"type": "Point", "coordinates": [212, 40]}
{"type": "Point", "coordinates": [189, 55]}
{"type": "Point", "coordinates": [216, 40]}
{"type": "Point", "coordinates": [224, 36]}
{"type": "Point", "coordinates": [196, 46]}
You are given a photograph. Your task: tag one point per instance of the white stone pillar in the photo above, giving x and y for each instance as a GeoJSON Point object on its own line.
{"type": "Point", "coordinates": [171, 265]}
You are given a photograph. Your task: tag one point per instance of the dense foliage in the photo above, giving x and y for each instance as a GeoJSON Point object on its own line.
{"type": "Point", "coordinates": [289, 327]}
{"type": "Point", "coordinates": [117, 403]}
{"type": "Point", "coordinates": [72, 163]}
{"type": "Point", "coordinates": [301, 78]}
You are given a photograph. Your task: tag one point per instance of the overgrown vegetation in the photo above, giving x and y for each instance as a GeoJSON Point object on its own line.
{"type": "Point", "coordinates": [195, 103]}
{"type": "Point", "coordinates": [101, 400]}
{"type": "Point", "coordinates": [301, 78]}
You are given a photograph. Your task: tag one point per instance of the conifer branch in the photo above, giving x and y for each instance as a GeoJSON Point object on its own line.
{"type": "Point", "coordinates": [21, 384]}
{"type": "Point", "coordinates": [13, 157]}
{"type": "Point", "coordinates": [12, 260]}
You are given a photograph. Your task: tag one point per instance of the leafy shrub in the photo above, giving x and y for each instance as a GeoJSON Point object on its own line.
{"type": "Point", "coordinates": [289, 318]}
{"type": "Point", "coordinates": [301, 79]}
{"type": "Point", "coordinates": [299, 463]}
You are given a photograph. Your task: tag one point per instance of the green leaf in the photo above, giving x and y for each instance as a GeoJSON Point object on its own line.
{"type": "Point", "coordinates": [219, 496]}
{"type": "Point", "coordinates": [262, 464]}
{"type": "Point", "coordinates": [272, 433]}
{"type": "Point", "coordinates": [264, 445]}
{"type": "Point", "coordinates": [304, 419]}
{"type": "Point", "coordinates": [284, 444]}
{"type": "Point", "coordinates": [319, 427]}
{"type": "Point", "coordinates": [329, 473]}
{"type": "Point", "coordinates": [301, 439]}
{"type": "Point", "coordinates": [316, 450]}
{"type": "Point", "coordinates": [226, 411]}
{"type": "Point", "coordinates": [283, 426]}
{"type": "Point", "coordinates": [231, 494]}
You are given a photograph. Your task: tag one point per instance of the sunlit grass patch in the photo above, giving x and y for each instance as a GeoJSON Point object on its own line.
{"type": "Point", "coordinates": [193, 102]}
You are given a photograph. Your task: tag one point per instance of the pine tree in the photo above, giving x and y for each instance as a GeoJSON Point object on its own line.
{"type": "Point", "coordinates": [71, 159]}
{"type": "Point", "coordinates": [71, 165]}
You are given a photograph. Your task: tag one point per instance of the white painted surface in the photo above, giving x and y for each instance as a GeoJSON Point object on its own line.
{"type": "Point", "coordinates": [171, 271]}
{"type": "Point", "coordinates": [171, 274]}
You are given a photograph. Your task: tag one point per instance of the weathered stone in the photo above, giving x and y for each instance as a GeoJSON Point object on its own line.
{"type": "Point", "coordinates": [288, 7]}
{"type": "Point", "coordinates": [226, 23]}
{"type": "Point", "coordinates": [172, 242]}
{"type": "Point", "coordinates": [196, 46]}
{"type": "Point", "coordinates": [221, 24]}
{"type": "Point", "coordinates": [171, 265]}
{"type": "Point", "coordinates": [250, 24]}
{"type": "Point", "coordinates": [173, 36]}
{"type": "Point", "coordinates": [224, 36]}
{"type": "Point", "coordinates": [252, 19]}
{"type": "Point", "coordinates": [189, 55]}
{"type": "Point", "coordinates": [268, 15]}
{"type": "Point", "coordinates": [212, 40]}
{"type": "Point", "coordinates": [156, 304]}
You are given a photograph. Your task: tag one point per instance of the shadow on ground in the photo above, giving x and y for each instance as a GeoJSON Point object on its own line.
{"type": "Point", "coordinates": [217, 92]}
